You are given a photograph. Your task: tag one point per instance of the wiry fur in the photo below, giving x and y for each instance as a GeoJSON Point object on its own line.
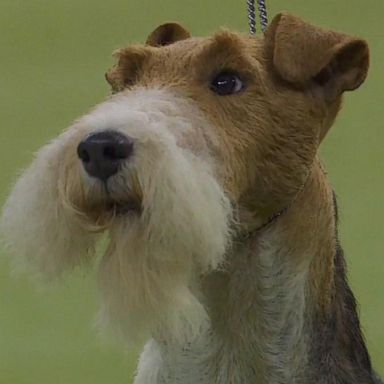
{"type": "Point", "coordinates": [39, 223]}
{"type": "Point", "coordinates": [222, 228]}
{"type": "Point", "coordinates": [182, 231]}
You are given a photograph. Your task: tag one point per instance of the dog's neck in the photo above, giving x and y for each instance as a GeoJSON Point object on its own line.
{"type": "Point", "coordinates": [280, 308]}
{"type": "Point", "coordinates": [282, 305]}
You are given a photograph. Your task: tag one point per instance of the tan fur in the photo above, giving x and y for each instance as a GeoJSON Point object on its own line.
{"type": "Point", "coordinates": [230, 258]}
{"type": "Point", "coordinates": [167, 34]}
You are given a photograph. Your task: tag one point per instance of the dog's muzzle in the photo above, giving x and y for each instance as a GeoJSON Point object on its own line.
{"type": "Point", "coordinates": [103, 153]}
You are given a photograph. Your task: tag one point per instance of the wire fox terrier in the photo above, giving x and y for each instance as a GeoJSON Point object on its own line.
{"type": "Point", "coordinates": [203, 169]}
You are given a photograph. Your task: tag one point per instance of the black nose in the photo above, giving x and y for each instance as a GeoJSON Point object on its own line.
{"type": "Point", "coordinates": [102, 153]}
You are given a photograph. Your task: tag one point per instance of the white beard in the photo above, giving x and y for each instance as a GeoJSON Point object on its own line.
{"type": "Point", "coordinates": [153, 258]}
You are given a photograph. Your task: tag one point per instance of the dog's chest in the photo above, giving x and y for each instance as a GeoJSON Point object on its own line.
{"type": "Point", "coordinates": [205, 361]}
{"type": "Point", "coordinates": [191, 365]}
{"type": "Point", "coordinates": [187, 367]}
{"type": "Point", "coordinates": [251, 342]}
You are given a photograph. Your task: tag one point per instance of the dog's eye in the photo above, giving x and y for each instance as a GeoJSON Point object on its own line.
{"type": "Point", "coordinates": [227, 83]}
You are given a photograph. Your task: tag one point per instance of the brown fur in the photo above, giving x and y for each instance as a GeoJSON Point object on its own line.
{"type": "Point", "coordinates": [268, 141]}
{"type": "Point", "coordinates": [280, 305]}
{"type": "Point", "coordinates": [286, 146]}
{"type": "Point", "coordinates": [167, 34]}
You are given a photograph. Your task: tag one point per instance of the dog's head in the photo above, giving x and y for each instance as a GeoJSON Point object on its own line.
{"type": "Point", "coordinates": [201, 137]}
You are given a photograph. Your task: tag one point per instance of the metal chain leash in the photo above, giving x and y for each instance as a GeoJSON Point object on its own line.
{"type": "Point", "coordinates": [263, 15]}
{"type": "Point", "coordinates": [252, 15]}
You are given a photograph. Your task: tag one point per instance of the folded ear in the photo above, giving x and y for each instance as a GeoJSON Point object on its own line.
{"type": "Point", "coordinates": [167, 34]}
{"type": "Point", "coordinates": [303, 53]}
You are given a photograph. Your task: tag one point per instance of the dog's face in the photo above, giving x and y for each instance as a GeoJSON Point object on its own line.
{"type": "Point", "coordinates": [199, 130]}
{"type": "Point", "coordinates": [267, 102]}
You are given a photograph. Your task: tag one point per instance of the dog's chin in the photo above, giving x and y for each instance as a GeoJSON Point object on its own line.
{"type": "Point", "coordinates": [99, 215]}
{"type": "Point", "coordinates": [127, 208]}
{"type": "Point", "coordinates": [100, 202]}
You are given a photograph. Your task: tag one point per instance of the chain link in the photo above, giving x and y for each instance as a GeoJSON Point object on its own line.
{"type": "Point", "coordinates": [252, 15]}
{"type": "Point", "coordinates": [263, 15]}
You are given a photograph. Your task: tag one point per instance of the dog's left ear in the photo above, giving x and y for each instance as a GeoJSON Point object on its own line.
{"type": "Point", "coordinates": [304, 54]}
{"type": "Point", "coordinates": [167, 34]}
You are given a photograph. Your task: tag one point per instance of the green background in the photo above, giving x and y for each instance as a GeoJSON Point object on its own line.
{"type": "Point", "coordinates": [53, 55]}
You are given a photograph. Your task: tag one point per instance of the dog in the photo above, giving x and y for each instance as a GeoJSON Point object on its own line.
{"type": "Point", "coordinates": [203, 169]}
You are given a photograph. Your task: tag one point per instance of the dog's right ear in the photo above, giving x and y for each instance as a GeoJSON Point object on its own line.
{"type": "Point", "coordinates": [167, 34]}
{"type": "Point", "coordinates": [304, 54]}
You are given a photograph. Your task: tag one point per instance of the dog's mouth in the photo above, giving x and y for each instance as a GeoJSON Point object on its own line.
{"type": "Point", "coordinates": [103, 200]}
{"type": "Point", "coordinates": [122, 201]}
{"type": "Point", "coordinates": [102, 213]}
{"type": "Point", "coordinates": [126, 208]}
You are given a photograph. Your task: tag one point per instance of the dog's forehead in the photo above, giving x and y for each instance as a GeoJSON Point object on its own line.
{"type": "Point", "coordinates": [198, 48]}
{"type": "Point", "coordinates": [193, 60]}
{"type": "Point", "coordinates": [223, 40]}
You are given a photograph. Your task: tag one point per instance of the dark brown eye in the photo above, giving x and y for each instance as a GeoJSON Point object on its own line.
{"type": "Point", "coordinates": [227, 83]}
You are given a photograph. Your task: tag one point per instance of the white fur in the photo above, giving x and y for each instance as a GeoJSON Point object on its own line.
{"type": "Point", "coordinates": [259, 334]}
{"type": "Point", "coordinates": [37, 225]}
{"type": "Point", "coordinates": [150, 274]}
{"type": "Point", "coordinates": [183, 231]}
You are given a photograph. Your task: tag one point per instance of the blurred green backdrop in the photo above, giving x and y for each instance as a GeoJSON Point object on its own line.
{"type": "Point", "coordinates": [53, 57]}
